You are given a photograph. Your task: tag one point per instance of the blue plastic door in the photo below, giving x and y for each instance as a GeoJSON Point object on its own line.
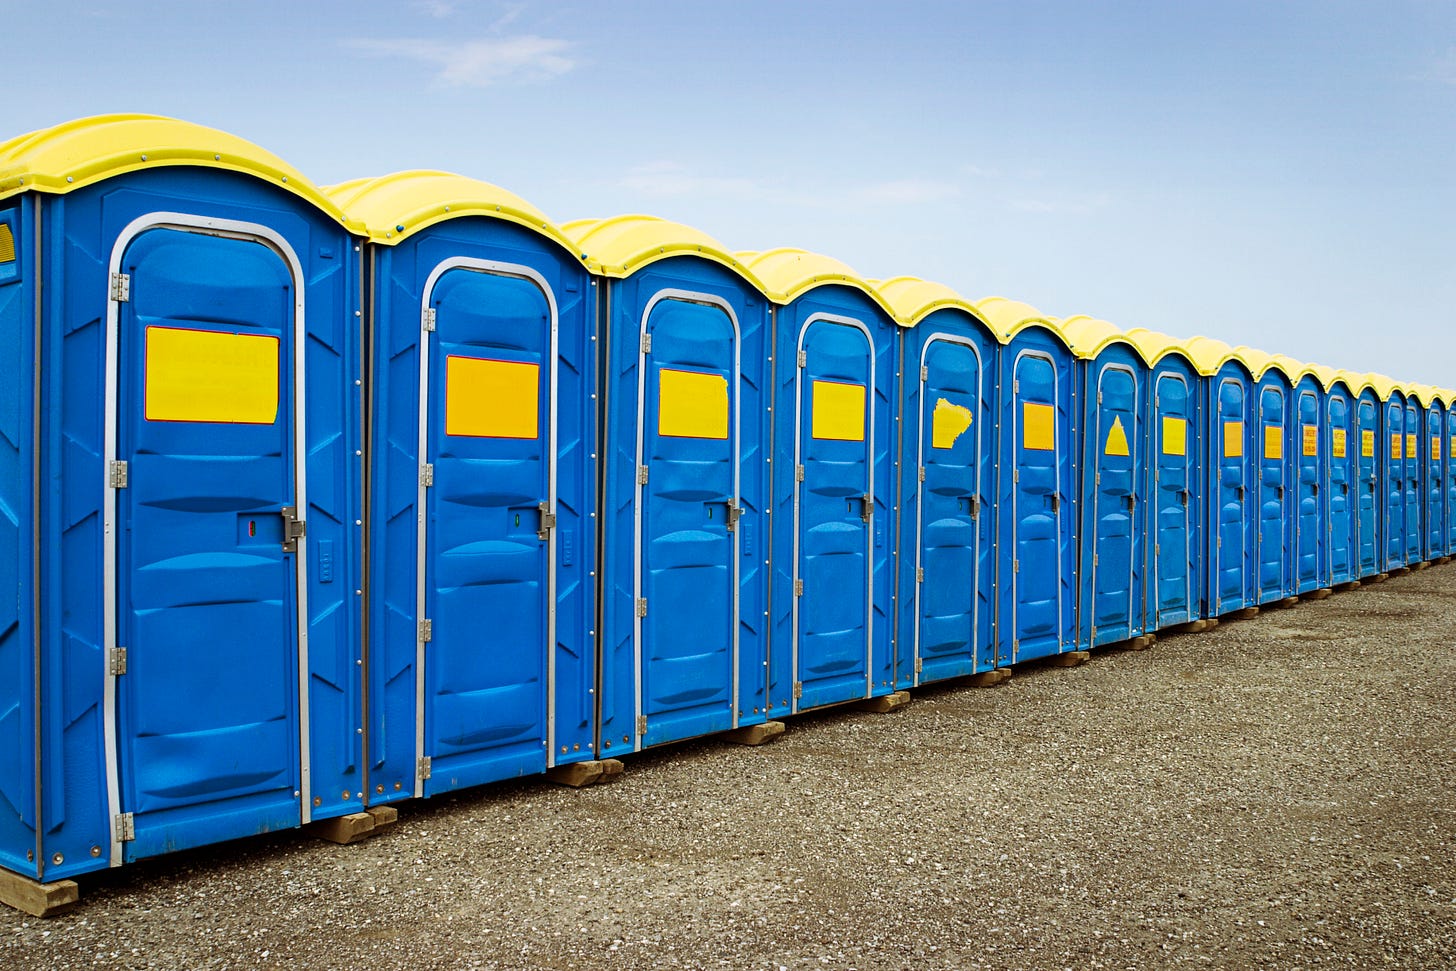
{"type": "Point", "coordinates": [207, 605]}
{"type": "Point", "coordinates": [1341, 490]}
{"type": "Point", "coordinates": [1173, 554]}
{"type": "Point", "coordinates": [834, 505]}
{"type": "Point", "coordinates": [1413, 470]}
{"type": "Point", "coordinates": [1311, 529]}
{"type": "Point", "coordinates": [948, 586]}
{"type": "Point", "coordinates": [1233, 553]}
{"type": "Point", "coordinates": [486, 583]}
{"type": "Point", "coordinates": [1368, 499]}
{"type": "Point", "coordinates": [1449, 468]}
{"type": "Point", "coordinates": [1117, 449]}
{"type": "Point", "coordinates": [1395, 487]}
{"type": "Point", "coordinates": [687, 506]}
{"type": "Point", "coordinates": [1272, 464]}
{"type": "Point", "coordinates": [1041, 525]}
{"type": "Point", "coordinates": [1435, 484]}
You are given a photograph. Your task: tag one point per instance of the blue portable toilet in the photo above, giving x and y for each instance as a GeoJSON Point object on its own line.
{"type": "Point", "coordinates": [1370, 502]}
{"type": "Point", "coordinates": [181, 474]}
{"type": "Point", "coordinates": [482, 486]}
{"type": "Point", "coordinates": [1433, 477]}
{"type": "Point", "coordinates": [1448, 471]}
{"type": "Point", "coordinates": [1036, 484]}
{"type": "Point", "coordinates": [1277, 536]}
{"type": "Point", "coordinates": [1400, 476]}
{"type": "Point", "coordinates": [835, 353]}
{"type": "Point", "coordinates": [1309, 476]}
{"type": "Point", "coordinates": [685, 381]}
{"type": "Point", "coordinates": [1232, 479]}
{"type": "Point", "coordinates": [946, 536]}
{"type": "Point", "coordinates": [1415, 465]}
{"type": "Point", "coordinates": [1113, 384]}
{"type": "Point", "coordinates": [1177, 457]}
{"type": "Point", "coordinates": [1342, 476]}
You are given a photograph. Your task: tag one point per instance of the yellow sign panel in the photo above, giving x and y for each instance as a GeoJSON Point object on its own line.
{"type": "Point", "coordinates": [1116, 439]}
{"type": "Point", "coordinates": [1273, 441]}
{"type": "Point", "coordinates": [1233, 439]}
{"type": "Point", "coordinates": [205, 375]}
{"type": "Point", "coordinates": [947, 423]}
{"type": "Point", "coordinates": [1367, 444]}
{"type": "Point", "coordinates": [491, 399]}
{"type": "Point", "coordinates": [1175, 436]}
{"type": "Point", "coordinates": [1310, 442]}
{"type": "Point", "coordinates": [1410, 446]}
{"type": "Point", "coordinates": [7, 245]}
{"type": "Point", "coordinates": [1038, 427]}
{"type": "Point", "coordinates": [1395, 445]}
{"type": "Point", "coordinates": [1435, 448]}
{"type": "Point", "coordinates": [839, 411]}
{"type": "Point", "coordinates": [1452, 450]}
{"type": "Point", "coordinates": [1337, 442]}
{"type": "Point", "coordinates": [691, 404]}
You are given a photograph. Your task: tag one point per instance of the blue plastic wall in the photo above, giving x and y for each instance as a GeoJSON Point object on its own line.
{"type": "Point", "coordinates": [1277, 496]}
{"type": "Point", "coordinates": [486, 697]}
{"type": "Point", "coordinates": [1449, 478]}
{"type": "Point", "coordinates": [1433, 481]}
{"type": "Point", "coordinates": [1233, 503]}
{"type": "Point", "coordinates": [947, 519]}
{"type": "Point", "coordinates": [1311, 452]}
{"type": "Point", "coordinates": [1401, 486]}
{"type": "Point", "coordinates": [1341, 442]}
{"type": "Point", "coordinates": [1177, 500]}
{"type": "Point", "coordinates": [1368, 444]}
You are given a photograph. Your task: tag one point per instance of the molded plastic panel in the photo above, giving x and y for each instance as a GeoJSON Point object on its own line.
{"type": "Point", "coordinates": [1234, 497]}
{"type": "Point", "coordinates": [1311, 456]}
{"type": "Point", "coordinates": [1392, 456]}
{"type": "Point", "coordinates": [1175, 502]}
{"type": "Point", "coordinates": [1276, 557]}
{"type": "Point", "coordinates": [1117, 457]}
{"type": "Point", "coordinates": [1343, 443]}
{"type": "Point", "coordinates": [1369, 556]}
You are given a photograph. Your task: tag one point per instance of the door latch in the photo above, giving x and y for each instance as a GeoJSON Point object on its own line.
{"type": "Point", "coordinates": [867, 508]}
{"type": "Point", "coordinates": [293, 528]}
{"type": "Point", "coordinates": [548, 521]}
{"type": "Point", "coordinates": [735, 513]}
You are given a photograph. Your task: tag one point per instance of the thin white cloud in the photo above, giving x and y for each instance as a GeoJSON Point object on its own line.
{"type": "Point", "coordinates": [439, 9]}
{"type": "Point", "coordinates": [480, 63]}
{"type": "Point", "coordinates": [1081, 206]}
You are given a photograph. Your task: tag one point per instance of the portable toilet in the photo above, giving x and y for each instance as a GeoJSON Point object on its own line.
{"type": "Point", "coordinates": [1342, 476]}
{"type": "Point", "coordinates": [1309, 477]}
{"type": "Point", "coordinates": [482, 486]}
{"type": "Point", "coordinates": [1176, 500]}
{"type": "Point", "coordinates": [182, 481]}
{"type": "Point", "coordinates": [1277, 546]}
{"type": "Point", "coordinates": [1433, 478]}
{"type": "Point", "coordinates": [1399, 476]}
{"type": "Point", "coordinates": [1113, 380]}
{"type": "Point", "coordinates": [835, 347]}
{"type": "Point", "coordinates": [1232, 480]}
{"type": "Point", "coordinates": [1449, 471]}
{"type": "Point", "coordinates": [1369, 494]}
{"type": "Point", "coordinates": [945, 600]}
{"type": "Point", "coordinates": [1036, 484]}
{"type": "Point", "coordinates": [685, 452]}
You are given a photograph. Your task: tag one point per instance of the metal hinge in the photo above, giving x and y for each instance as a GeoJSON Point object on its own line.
{"type": "Point", "coordinates": [866, 507]}
{"type": "Point", "coordinates": [1099, 397]}
{"type": "Point", "coordinates": [1220, 542]}
{"type": "Point", "coordinates": [1016, 386]}
{"type": "Point", "coordinates": [125, 826]}
{"type": "Point", "coordinates": [1097, 479]}
{"type": "Point", "coordinates": [428, 320]}
{"type": "Point", "coordinates": [121, 287]}
{"type": "Point", "coordinates": [924, 373]}
{"type": "Point", "coordinates": [641, 475]}
{"type": "Point", "coordinates": [803, 359]}
{"type": "Point", "coordinates": [427, 631]}
{"type": "Point", "coordinates": [1094, 559]}
{"type": "Point", "coordinates": [548, 521]}
{"type": "Point", "coordinates": [423, 768]}
{"type": "Point", "coordinates": [735, 513]}
{"type": "Point", "coordinates": [641, 606]}
{"type": "Point", "coordinates": [919, 665]}
{"type": "Point", "coordinates": [1015, 566]}
{"type": "Point", "coordinates": [920, 574]}
{"type": "Point", "coordinates": [427, 474]}
{"type": "Point", "coordinates": [975, 506]}
{"type": "Point", "coordinates": [293, 528]}
{"type": "Point", "coordinates": [798, 473]}
{"type": "Point", "coordinates": [922, 473]}
{"type": "Point", "coordinates": [641, 724]}
{"type": "Point", "coordinates": [798, 690]}
{"type": "Point", "coordinates": [116, 662]}
{"type": "Point", "coordinates": [1157, 549]}
{"type": "Point", "coordinates": [646, 343]}
{"type": "Point", "coordinates": [799, 587]}
{"type": "Point", "coordinates": [117, 478]}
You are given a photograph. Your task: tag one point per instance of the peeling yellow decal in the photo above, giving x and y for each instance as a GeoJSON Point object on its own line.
{"type": "Point", "coordinates": [839, 411]}
{"type": "Point", "coordinates": [1116, 443]}
{"type": "Point", "coordinates": [1233, 439]}
{"type": "Point", "coordinates": [1310, 441]}
{"type": "Point", "coordinates": [491, 399]}
{"type": "Point", "coordinates": [1337, 442]}
{"type": "Point", "coordinates": [1273, 441]}
{"type": "Point", "coordinates": [1367, 444]}
{"type": "Point", "coordinates": [1175, 436]}
{"type": "Point", "coordinates": [1038, 427]}
{"type": "Point", "coordinates": [1395, 445]}
{"type": "Point", "coordinates": [947, 423]}
{"type": "Point", "coordinates": [204, 375]}
{"type": "Point", "coordinates": [691, 404]}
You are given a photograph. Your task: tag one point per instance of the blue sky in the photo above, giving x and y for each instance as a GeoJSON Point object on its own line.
{"type": "Point", "coordinates": [1281, 174]}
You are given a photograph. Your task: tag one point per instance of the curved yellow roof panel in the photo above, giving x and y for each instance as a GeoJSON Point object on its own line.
{"type": "Point", "coordinates": [1208, 354]}
{"type": "Point", "coordinates": [789, 273]}
{"type": "Point", "coordinates": [393, 207]}
{"type": "Point", "coordinates": [1088, 336]}
{"type": "Point", "coordinates": [622, 245]}
{"type": "Point", "coordinates": [1426, 394]}
{"type": "Point", "coordinates": [1383, 385]}
{"type": "Point", "coordinates": [912, 299]}
{"type": "Point", "coordinates": [1154, 345]}
{"type": "Point", "coordinates": [1009, 317]}
{"type": "Point", "coordinates": [1324, 374]}
{"type": "Point", "coordinates": [1356, 381]}
{"type": "Point", "coordinates": [1257, 361]}
{"type": "Point", "coordinates": [82, 152]}
{"type": "Point", "coordinates": [1288, 366]}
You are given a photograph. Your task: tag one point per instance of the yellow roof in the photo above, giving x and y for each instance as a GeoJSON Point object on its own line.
{"type": "Point", "coordinates": [788, 274]}
{"type": "Point", "coordinates": [912, 299]}
{"type": "Point", "coordinates": [1009, 317]}
{"type": "Point", "coordinates": [1325, 375]}
{"type": "Point", "coordinates": [1355, 381]}
{"type": "Point", "coordinates": [1427, 394]}
{"type": "Point", "coordinates": [1288, 366]}
{"type": "Point", "coordinates": [1155, 345]}
{"type": "Point", "coordinates": [1089, 336]}
{"type": "Point", "coordinates": [622, 245]}
{"type": "Point", "coordinates": [1208, 354]}
{"type": "Point", "coordinates": [392, 207]}
{"type": "Point", "coordinates": [1383, 385]}
{"type": "Point", "coordinates": [88, 150]}
{"type": "Point", "coordinates": [1258, 362]}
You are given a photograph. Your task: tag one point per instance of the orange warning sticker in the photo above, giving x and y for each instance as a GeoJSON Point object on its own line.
{"type": "Point", "coordinates": [1233, 439]}
{"type": "Point", "coordinates": [1175, 436]}
{"type": "Point", "coordinates": [1038, 427]}
{"type": "Point", "coordinates": [1116, 439]}
{"type": "Point", "coordinates": [838, 411]}
{"type": "Point", "coordinates": [1273, 441]}
{"type": "Point", "coordinates": [691, 404]}
{"type": "Point", "coordinates": [486, 398]}
{"type": "Point", "coordinates": [206, 375]}
{"type": "Point", "coordinates": [947, 423]}
{"type": "Point", "coordinates": [1337, 442]}
{"type": "Point", "coordinates": [1367, 444]}
{"type": "Point", "coordinates": [1435, 448]}
{"type": "Point", "coordinates": [1310, 441]}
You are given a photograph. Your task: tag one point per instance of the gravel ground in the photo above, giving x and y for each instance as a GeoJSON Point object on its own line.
{"type": "Point", "coordinates": [1276, 793]}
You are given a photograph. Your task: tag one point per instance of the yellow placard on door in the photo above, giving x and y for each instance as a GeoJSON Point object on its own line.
{"type": "Point", "coordinates": [691, 404]}
{"type": "Point", "coordinates": [1452, 450]}
{"type": "Point", "coordinates": [1233, 439]}
{"type": "Point", "coordinates": [1273, 441]}
{"type": "Point", "coordinates": [1435, 448]}
{"type": "Point", "coordinates": [1038, 427]}
{"type": "Point", "coordinates": [1175, 436]}
{"type": "Point", "coordinates": [1310, 441]}
{"type": "Point", "coordinates": [1337, 443]}
{"type": "Point", "coordinates": [1367, 444]}
{"type": "Point", "coordinates": [485, 398]}
{"type": "Point", "coordinates": [1410, 446]}
{"type": "Point", "coordinates": [206, 375]}
{"type": "Point", "coordinates": [1116, 439]}
{"type": "Point", "coordinates": [839, 411]}
{"type": "Point", "coordinates": [1395, 445]}
{"type": "Point", "coordinates": [947, 423]}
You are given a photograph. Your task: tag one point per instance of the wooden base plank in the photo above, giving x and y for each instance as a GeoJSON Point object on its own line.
{"type": "Point", "coordinates": [760, 734]}
{"type": "Point", "coordinates": [355, 826]}
{"type": "Point", "coordinates": [1247, 613]}
{"type": "Point", "coordinates": [989, 679]}
{"type": "Point", "coordinates": [884, 704]}
{"type": "Point", "coordinates": [35, 898]}
{"type": "Point", "coordinates": [1070, 659]}
{"type": "Point", "coordinates": [1316, 594]}
{"type": "Point", "coordinates": [580, 774]}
